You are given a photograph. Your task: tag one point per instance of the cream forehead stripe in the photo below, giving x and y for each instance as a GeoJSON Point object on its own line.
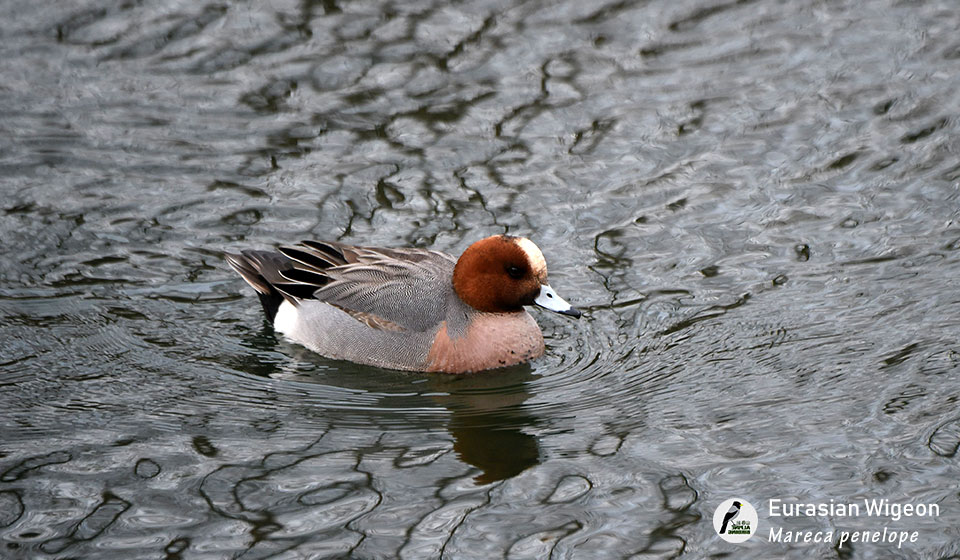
{"type": "Point", "coordinates": [533, 253]}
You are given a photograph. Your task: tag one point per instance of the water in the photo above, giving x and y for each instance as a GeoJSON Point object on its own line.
{"type": "Point", "coordinates": [755, 203]}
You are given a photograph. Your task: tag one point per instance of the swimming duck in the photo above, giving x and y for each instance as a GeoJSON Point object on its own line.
{"type": "Point", "coordinates": [407, 309]}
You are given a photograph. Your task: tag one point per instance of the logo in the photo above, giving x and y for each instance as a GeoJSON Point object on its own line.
{"type": "Point", "coordinates": [735, 520]}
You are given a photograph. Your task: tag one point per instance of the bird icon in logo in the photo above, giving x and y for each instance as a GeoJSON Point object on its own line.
{"type": "Point", "coordinates": [735, 520]}
{"type": "Point", "coordinates": [730, 515]}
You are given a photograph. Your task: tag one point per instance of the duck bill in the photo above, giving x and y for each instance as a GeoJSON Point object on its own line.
{"type": "Point", "coordinates": [548, 299]}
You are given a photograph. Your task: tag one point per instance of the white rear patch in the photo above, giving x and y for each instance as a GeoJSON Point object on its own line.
{"type": "Point", "coordinates": [534, 255]}
{"type": "Point", "coordinates": [287, 318]}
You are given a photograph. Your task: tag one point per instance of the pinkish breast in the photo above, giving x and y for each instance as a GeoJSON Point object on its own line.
{"type": "Point", "coordinates": [492, 340]}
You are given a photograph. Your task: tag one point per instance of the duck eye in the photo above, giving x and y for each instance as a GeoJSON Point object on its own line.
{"type": "Point", "coordinates": [514, 272]}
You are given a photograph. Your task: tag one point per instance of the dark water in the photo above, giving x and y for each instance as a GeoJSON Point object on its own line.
{"type": "Point", "coordinates": [756, 203]}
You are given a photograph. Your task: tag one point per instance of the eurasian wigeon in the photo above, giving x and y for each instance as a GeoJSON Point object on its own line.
{"type": "Point", "coordinates": [407, 309]}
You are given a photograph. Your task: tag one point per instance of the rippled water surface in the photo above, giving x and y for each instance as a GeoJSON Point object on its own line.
{"type": "Point", "coordinates": [756, 204]}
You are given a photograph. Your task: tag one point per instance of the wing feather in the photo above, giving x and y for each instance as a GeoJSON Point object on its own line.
{"type": "Point", "coordinates": [388, 289]}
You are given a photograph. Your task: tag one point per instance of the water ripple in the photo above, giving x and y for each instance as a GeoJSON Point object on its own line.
{"type": "Point", "coordinates": [753, 202]}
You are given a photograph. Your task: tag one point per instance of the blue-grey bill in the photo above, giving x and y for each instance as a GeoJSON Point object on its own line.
{"type": "Point", "coordinates": [548, 299]}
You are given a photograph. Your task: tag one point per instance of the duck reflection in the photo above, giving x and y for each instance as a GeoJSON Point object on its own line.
{"type": "Point", "coordinates": [488, 416]}
{"type": "Point", "coordinates": [488, 421]}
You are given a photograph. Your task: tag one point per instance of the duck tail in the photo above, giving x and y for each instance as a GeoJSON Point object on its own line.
{"type": "Point", "coordinates": [262, 270]}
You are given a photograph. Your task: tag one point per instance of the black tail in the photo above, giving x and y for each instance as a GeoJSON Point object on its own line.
{"type": "Point", "coordinates": [293, 274]}
{"type": "Point", "coordinates": [730, 515]}
{"type": "Point", "coordinates": [261, 269]}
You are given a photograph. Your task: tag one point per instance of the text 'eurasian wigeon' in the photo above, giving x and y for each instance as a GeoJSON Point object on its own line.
{"type": "Point", "coordinates": [408, 309]}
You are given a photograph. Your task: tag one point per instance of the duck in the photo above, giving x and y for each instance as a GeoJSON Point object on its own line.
{"type": "Point", "coordinates": [407, 309]}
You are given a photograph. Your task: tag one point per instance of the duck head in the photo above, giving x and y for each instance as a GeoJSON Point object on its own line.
{"type": "Point", "coordinates": [501, 274]}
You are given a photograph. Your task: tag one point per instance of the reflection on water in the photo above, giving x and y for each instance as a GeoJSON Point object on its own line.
{"type": "Point", "coordinates": [487, 422]}
{"type": "Point", "coordinates": [755, 203]}
{"type": "Point", "coordinates": [484, 413]}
